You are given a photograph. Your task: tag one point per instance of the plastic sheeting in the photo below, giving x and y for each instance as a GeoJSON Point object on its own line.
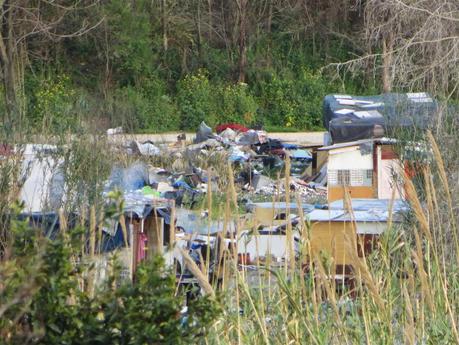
{"type": "Point", "coordinates": [44, 182]}
{"type": "Point", "coordinates": [350, 118]}
{"type": "Point", "coordinates": [203, 133]}
{"type": "Point", "coordinates": [131, 178]}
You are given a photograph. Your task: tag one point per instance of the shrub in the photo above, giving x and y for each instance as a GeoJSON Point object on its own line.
{"type": "Point", "coordinates": [146, 108]}
{"type": "Point", "coordinates": [54, 104]}
{"type": "Point", "coordinates": [197, 101]}
{"type": "Point", "coordinates": [237, 104]}
{"type": "Point", "coordinates": [294, 102]}
{"type": "Point", "coordinates": [42, 301]}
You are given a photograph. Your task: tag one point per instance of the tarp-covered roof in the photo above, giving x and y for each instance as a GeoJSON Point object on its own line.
{"type": "Point", "coordinates": [349, 118]}
{"type": "Point", "coordinates": [363, 210]}
{"type": "Point", "coordinates": [397, 205]}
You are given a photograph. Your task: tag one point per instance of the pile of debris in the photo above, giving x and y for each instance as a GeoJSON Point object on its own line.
{"type": "Point", "coordinates": [299, 187]}
{"type": "Point", "coordinates": [255, 157]}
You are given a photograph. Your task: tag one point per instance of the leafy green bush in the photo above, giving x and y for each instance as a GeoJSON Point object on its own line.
{"type": "Point", "coordinates": [145, 109]}
{"type": "Point", "coordinates": [54, 103]}
{"type": "Point", "coordinates": [202, 99]}
{"type": "Point", "coordinates": [197, 101]}
{"type": "Point", "coordinates": [42, 301]}
{"type": "Point", "coordinates": [237, 104]}
{"type": "Point", "coordinates": [293, 102]}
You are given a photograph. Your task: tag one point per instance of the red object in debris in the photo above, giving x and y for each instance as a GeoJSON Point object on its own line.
{"type": "Point", "coordinates": [6, 150]}
{"type": "Point", "coordinates": [243, 259]}
{"type": "Point", "coordinates": [411, 169]}
{"type": "Point", "coordinates": [234, 126]}
{"type": "Point", "coordinates": [278, 152]}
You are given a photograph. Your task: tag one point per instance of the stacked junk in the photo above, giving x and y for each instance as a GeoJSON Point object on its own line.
{"type": "Point", "coordinates": [358, 161]}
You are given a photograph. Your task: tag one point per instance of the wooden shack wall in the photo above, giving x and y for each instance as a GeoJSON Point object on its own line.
{"type": "Point", "coordinates": [356, 192]}
{"type": "Point", "coordinates": [331, 238]}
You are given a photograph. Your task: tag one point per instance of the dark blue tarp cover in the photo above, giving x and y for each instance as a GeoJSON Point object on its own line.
{"type": "Point", "coordinates": [350, 118]}
{"type": "Point", "coordinates": [49, 224]}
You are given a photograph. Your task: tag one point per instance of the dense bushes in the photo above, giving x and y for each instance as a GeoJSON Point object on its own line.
{"type": "Point", "coordinates": [289, 101]}
{"type": "Point", "coordinates": [294, 102]}
{"type": "Point", "coordinates": [148, 108]}
{"type": "Point", "coordinates": [44, 298]}
{"type": "Point", "coordinates": [152, 75]}
{"type": "Point", "coordinates": [199, 99]}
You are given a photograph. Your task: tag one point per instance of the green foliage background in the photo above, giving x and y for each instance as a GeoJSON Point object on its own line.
{"type": "Point", "coordinates": [120, 74]}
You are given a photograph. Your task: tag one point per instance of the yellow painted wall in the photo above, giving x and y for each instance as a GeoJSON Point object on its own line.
{"type": "Point", "coordinates": [337, 192]}
{"type": "Point", "coordinates": [332, 238]}
{"type": "Point", "coordinates": [265, 216]}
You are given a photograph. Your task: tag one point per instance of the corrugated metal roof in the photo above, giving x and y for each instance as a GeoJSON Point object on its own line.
{"type": "Point", "coordinates": [344, 216]}
{"type": "Point", "coordinates": [372, 204]}
{"type": "Point", "coordinates": [279, 206]}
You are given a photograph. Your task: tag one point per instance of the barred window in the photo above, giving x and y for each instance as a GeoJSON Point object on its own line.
{"type": "Point", "coordinates": [368, 180]}
{"type": "Point", "coordinates": [332, 177]}
{"type": "Point", "coordinates": [355, 177]}
{"type": "Point", "coordinates": [344, 177]}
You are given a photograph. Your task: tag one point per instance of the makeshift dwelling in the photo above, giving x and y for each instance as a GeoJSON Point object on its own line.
{"type": "Point", "coordinates": [346, 235]}
{"type": "Point", "coordinates": [275, 213]}
{"type": "Point", "coordinates": [270, 242]}
{"type": "Point", "coordinates": [149, 230]}
{"type": "Point", "coordinates": [149, 226]}
{"type": "Point", "coordinates": [350, 118]}
{"type": "Point", "coordinates": [368, 168]}
{"type": "Point", "coordinates": [43, 181]}
{"type": "Point", "coordinates": [269, 237]}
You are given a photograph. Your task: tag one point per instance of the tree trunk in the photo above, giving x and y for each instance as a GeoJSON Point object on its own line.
{"type": "Point", "coordinates": [210, 23]}
{"type": "Point", "coordinates": [242, 5]}
{"type": "Point", "coordinates": [388, 44]}
{"type": "Point", "coordinates": [268, 31]}
{"type": "Point", "coordinates": [164, 24]}
{"type": "Point", "coordinates": [199, 32]}
{"type": "Point", "coordinates": [7, 63]}
{"type": "Point", "coordinates": [10, 92]}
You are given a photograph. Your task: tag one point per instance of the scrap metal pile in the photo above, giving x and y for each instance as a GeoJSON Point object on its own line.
{"type": "Point", "coordinates": [257, 160]}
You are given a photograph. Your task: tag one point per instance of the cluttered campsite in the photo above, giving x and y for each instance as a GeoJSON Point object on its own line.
{"type": "Point", "coordinates": [240, 209]}
{"type": "Point", "coordinates": [222, 172]}
{"type": "Point", "coordinates": [284, 204]}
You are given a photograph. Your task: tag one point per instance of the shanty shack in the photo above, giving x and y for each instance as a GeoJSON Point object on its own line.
{"type": "Point", "coordinates": [150, 230]}
{"type": "Point", "coordinates": [275, 213]}
{"type": "Point", "coordinates": [368, 168]}
{"type": "Point", "coordinates": [344, 234]}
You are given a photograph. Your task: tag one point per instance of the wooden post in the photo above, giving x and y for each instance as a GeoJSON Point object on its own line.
{"type": "Point", "coordinates": [154, 228]}
{"type": "Point", "coordinates": [172, 226]}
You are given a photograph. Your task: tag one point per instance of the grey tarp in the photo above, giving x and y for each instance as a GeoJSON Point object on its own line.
{"type": "Point", "coordinates": [350, 118]}
{"type": "Point", "coordinates": [203, 133]}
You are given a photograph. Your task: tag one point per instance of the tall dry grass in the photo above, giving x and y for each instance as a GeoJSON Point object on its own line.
{"type": "Point", "coordinates": [405, 292]}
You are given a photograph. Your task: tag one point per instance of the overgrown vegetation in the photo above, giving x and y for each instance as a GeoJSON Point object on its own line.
{"type": "Point", "coordinates": [405, 291]}
{"type": "Point", "coordinates": [47, 296]}
{"type": "Point", "coordinates": [153, 66]}
{"type": "Point", "coordinates": [68, 67]}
